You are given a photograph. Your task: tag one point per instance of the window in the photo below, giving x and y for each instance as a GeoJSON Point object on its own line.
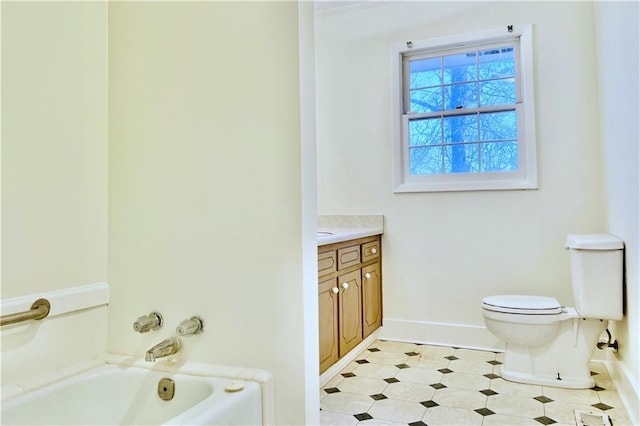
{"type": "Point", "coordinates": [465, 114]}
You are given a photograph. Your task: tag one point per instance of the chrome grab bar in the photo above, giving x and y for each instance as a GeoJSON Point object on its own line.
{"type": "Point", "coordinates": [39, 309]}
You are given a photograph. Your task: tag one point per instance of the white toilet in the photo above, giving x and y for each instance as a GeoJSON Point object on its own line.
{"type": "Point", "coordinates": [549, 344]}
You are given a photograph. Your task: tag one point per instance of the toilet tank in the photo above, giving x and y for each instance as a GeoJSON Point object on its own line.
{"type": "Point", "coordinates": [596, 275]}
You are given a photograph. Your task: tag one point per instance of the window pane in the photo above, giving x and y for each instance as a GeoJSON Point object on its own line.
{"type": "Point", "coordinates": [462, 158]}
{"type": "Point", "coordinates": [498, 126]}
{"type": "Point", "coordinates": [498, 92]}
{"type": "Point", "coordinates": [461, 128]}
{"type": "Point", "coordinates": [425, 72]}
{"type": "Point", "coordinates": [426, 100]}
{"type": "Point", "coordinates": [425, 160]}
{"type": "Point", "coordinates": [426, 131]}
{"type": "Point", "coordinates": [496, 63]}
{"type": "Point", "coordinates": [461, 95]}
{"type": "Point", "coordinates": [499, 156]}
{"type": "Point", "coordinates": [460, 68]}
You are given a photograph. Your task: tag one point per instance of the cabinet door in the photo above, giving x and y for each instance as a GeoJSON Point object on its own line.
{"type": "Point", "coordinates": [371, 299]}
{"type": "Point", "coordinates": [328, 322]}
{"type": "Point", "coordinates": [350, 308]}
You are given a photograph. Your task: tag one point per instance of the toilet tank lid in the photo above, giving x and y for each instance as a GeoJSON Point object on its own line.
{"type": "Point", "coordinates": [593, 242]}
{"type": "Point", "coordinates": [522, 304]}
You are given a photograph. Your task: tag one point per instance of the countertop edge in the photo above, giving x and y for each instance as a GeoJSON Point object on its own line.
{"type": "Point", "coordinates": [339, 235]}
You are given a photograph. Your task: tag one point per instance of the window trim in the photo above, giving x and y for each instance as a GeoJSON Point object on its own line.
{"type": "Point", "coordinates": [526, 175]}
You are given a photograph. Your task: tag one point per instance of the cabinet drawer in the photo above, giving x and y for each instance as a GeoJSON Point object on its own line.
{"type": "Point", "coordinates": [327, 263]}
{"type": "Point", "coordinates": [348, 256]}
{"type": "Point", "coordinates": [370, 250]}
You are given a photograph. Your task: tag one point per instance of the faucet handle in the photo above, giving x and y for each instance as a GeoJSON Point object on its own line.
{"type": "Point", "coordinates": [193, 325]}
{"type": "Point", "coordinates": [143, 324]}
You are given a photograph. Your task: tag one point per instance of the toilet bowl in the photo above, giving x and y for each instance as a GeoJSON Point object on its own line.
{"type": "Point", "coordinates": [550, 344]}
{"type": "Point", "coordinates": [537, 318]}
{"type": "Point", "coordinates": [550, 347]}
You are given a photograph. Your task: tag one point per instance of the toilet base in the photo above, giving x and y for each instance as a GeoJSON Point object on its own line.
{"type": "Point", "coordinates": [563, 362]}
{"type": "Point", "coordinates": [569, 382]}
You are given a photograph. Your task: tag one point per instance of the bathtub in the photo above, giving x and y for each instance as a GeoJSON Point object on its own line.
{"type": "Point", "coordinates": [126, 395]}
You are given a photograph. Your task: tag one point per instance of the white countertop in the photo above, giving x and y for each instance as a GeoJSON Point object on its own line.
{"type": "Point", "coordinates": [337, 235]}
{"type": "Point", "coordinates": [339, 228]}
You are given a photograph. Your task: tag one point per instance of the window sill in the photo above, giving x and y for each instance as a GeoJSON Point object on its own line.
{"type": "Point", "coordinates": [495, 185]}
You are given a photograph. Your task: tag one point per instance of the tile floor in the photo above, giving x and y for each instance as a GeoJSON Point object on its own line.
{"type": "Point", "coordinates": [393, 383]}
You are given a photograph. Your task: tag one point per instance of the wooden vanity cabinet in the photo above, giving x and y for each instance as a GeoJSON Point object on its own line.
{"type": "Point", "coordinates": [349, 296]}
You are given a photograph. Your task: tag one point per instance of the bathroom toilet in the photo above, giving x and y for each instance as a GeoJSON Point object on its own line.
{"type": "Point", "coordinates": [550, 344]}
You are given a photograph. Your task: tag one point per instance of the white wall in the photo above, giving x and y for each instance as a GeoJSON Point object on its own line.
{"type": "Point", "coordinates": [617, 48]}
{"type": "Point", "coordinates": [54, 145]}
{"type": "Point", "coordinates": [309, 208]}
{"type": "Point", "coordinates": [444, 251]}
{"type": "Point", "coordinates": [54, 179]}
{"type": "Point", "coordinates": [205, 192]}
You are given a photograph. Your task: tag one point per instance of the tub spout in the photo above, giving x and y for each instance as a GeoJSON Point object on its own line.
{"type": "Point", "coordinates": [165, 348]}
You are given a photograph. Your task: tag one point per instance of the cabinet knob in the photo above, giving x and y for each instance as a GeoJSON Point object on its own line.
{"type": "Point", "coordinates": [374, 250]}
{"type": "Point", "coordinates": [345, 285]}
{"type": "Point", "coordinates": [367, 275]}
{"type": "Point", "coordinates": [335, 290]}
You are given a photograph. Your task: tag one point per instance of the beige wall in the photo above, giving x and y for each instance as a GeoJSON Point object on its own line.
{"type": "Point", "coordinates": [54, 146]}
{"type": "Point", "coordinates": [205, 192]}
{"type": "Point", "coordinates": [617, 39]}
{"type": "Point", "coordinates": [54, 178]}
{"type": "Point", "coordinates": [443, 252]}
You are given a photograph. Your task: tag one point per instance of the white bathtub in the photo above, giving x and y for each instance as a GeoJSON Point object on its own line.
{"type": "Point", "coordinates": [127, 395]}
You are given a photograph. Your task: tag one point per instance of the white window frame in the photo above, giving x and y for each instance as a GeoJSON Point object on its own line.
{"type": "Point", "coordinates": [526, 176]}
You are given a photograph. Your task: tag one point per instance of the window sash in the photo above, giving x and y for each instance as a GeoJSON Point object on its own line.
{"type": "Point", "coordinates": [440, 52]}
{"type": "Point", "coordinates": [463, 177]}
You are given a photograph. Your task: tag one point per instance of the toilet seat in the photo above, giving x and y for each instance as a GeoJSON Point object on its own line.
{"type": "Point", "coordinates": [522, 304]}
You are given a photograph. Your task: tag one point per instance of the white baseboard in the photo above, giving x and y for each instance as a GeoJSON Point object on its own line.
{"type": "Point", "coordinates": [442, 334]}
{"type": "Point", "coordinates": [627, 387]}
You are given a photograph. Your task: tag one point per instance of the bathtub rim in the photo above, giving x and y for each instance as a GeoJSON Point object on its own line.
{"type": "Point", "coordinates": [173, 366]}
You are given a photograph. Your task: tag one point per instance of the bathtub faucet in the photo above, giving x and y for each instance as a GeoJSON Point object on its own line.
{"type": "Point", "coordinates": [165, 348]}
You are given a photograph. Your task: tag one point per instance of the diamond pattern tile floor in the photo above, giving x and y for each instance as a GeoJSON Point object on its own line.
{"type": "Point", "coordinates": [394, 383]}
